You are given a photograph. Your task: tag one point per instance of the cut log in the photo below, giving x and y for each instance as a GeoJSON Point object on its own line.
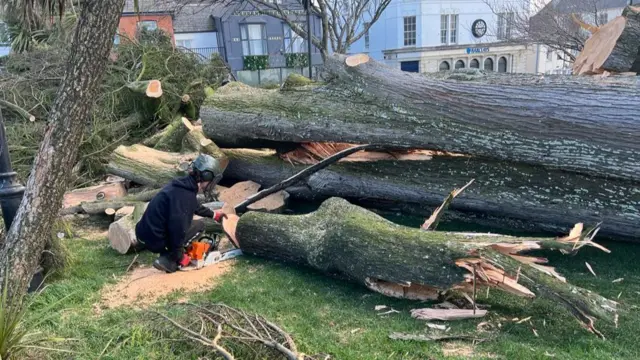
{"type": "Point", "coordinates": [107, 191]}
{"type": "Point", "coordinates": [504, 195]}
{"type": "Point", "coordinates": [195, 141]}
{"type": "Point", "coordinates": [151, 88]}
{"type": "Point", "coordinates": [343, 239]}
{"type": "Point", "coordinates": [99, 207]}
{"type": "Point", "coordinates": [239, 192]}
{"type": "Point", "coordinates": [614, 46]}
{"type": "Point", "coordinates": [583, 125]}
{"type": "Point", "coordinates": [122, 233]}
{"type": "Point", "coordinates": [147, 166]}
{"type": "Point", "coordinates": [172, 135]}
{"type": "Point", "coordinates": [123, 211]}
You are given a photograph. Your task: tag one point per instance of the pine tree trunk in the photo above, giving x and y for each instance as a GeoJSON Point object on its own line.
{"type": "Point", "coordinates": [25, 241]}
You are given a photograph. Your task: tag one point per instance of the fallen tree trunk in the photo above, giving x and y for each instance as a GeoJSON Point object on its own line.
{"type": "Point", "coordinates": [614, 46]}
{"type": "Point", "coordinates": [99, 192]}
{"type": "Point", "coordinates": [504, 195]}
{"type": "Point", "coordinates": [340, 238]}
{"type": "Point", "coordinates": [579, 125]}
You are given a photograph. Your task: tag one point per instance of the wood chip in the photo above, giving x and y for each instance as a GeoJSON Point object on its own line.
{"type": "Point", "coordinates": [355, 330]}
{"type": "Point", "coordinates": [546, 353]}
{"type": "Point", "coordinates": [523, 320]}
{"type": "Point", "coordinates": [535, 332]}
{"type": "Point", "coordinates": [619, 294]}
{"type": "Point", "coordinates": [423, 337]}
{"type": "Point", "coordinates": [446, 314]}
{"type": "Point", "coordinates": [590, 269]}
{"type": "Point", "coordinates": [392, 311]}
{"type": "Point", "coordinates": [436, 326]}
{"type": "Point", "coordinates": [617, 280]}
{"type": "Point", "coordinates": [380, 307]}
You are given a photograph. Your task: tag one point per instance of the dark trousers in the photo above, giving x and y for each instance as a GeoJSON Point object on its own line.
{"type": "Point", "coordinates": [195, 230]}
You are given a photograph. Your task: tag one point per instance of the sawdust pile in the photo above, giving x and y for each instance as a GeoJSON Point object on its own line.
{"type": "Point", "coordinates": [145, 285]}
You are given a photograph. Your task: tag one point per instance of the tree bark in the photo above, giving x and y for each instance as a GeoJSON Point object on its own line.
{"type": "Point", "coordinates": [122, 233]}
{"type": "Point", "coordinates": [343, 239]}
{"type": "Point", "coordinates": [614, 47]}
{"type": "Point", "coordinates": [504, 195]}
{"type": "Point", "coordinates": [25, 241]}
{"type": "Point", "coordinates": [99, 192]}
{"type": "Point", "coordinates": [582, 125]}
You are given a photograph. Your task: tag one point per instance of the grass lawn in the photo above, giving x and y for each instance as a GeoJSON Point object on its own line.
{"type": "Point", "coordinates": [330, 316]}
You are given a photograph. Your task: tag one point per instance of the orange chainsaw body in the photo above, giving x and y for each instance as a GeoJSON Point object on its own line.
{"type": "Point", "coordinates": [197, 250]}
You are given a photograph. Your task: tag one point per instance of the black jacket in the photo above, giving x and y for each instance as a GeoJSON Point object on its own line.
{"type": "Point", "coordinates": [169, 215]}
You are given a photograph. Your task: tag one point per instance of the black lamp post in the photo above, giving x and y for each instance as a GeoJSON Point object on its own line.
{"type": "Point", "coordinates": [307, 7]}
{"type": "Point", "coordinates": [11, 190]}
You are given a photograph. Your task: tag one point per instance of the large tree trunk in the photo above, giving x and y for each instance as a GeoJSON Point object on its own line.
{"type": "Point", "coordinates": [504, 195]}
{"type": "Point", "coordinates": [583, 125]}
{"type": "Point", "coordinates": [614, 46]}
{"type": "Point", "coordinates": [340, 238]}
{"type": "Point", "coordinates": [45, 188]}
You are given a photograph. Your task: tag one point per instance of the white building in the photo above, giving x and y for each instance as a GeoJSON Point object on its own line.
{"type": "Point", "coordinates": [432, 35]}
{"type": "Point", "coordinates": [544, 60]}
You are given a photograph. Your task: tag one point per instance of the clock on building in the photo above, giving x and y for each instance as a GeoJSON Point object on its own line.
{"type": "Point", "coordinates": [479, 28]}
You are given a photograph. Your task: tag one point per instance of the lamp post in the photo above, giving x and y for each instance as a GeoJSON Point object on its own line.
{"type": "Point", "coordinates": [11, 190]}
{"type": "Point", "coordinates": [307, 7]}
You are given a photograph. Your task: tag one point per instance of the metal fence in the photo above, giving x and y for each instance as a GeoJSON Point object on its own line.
{"type": "Point", "coordinates": [206, 52]}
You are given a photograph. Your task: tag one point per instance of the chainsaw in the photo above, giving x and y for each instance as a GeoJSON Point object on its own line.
{"type": "Point", "coordinates": [204, 252]}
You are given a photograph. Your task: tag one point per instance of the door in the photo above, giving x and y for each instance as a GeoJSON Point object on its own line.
{"type": "Point", "coordinates": [410, 66]}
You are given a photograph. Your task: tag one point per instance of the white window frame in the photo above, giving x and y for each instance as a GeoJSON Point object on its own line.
{"type": "Point", "coordinates": [292, 40]}
{"type": "Point", "coordinates": [449, 29]}
{"type": "Point", "coordinates": [367, 40]}
{"type": "Point", "coordinates": [146, 24]}
{"type": "Point", "coordinates": [185, 43]}
{"type": "Point", "coordinates": [246, 41]}
{"type": "Point", "coordinates": [410, 30]}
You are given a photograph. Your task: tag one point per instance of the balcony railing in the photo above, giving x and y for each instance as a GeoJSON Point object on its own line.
{"type": "Point", "coordinates": [206, 52]}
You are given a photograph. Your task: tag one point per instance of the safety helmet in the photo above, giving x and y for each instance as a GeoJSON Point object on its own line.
{"type": "Point", "coordinates": [206, 168]}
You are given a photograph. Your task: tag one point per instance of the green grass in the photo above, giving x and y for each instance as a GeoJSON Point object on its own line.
{"type": "Point", "coordinates": [322, 313]}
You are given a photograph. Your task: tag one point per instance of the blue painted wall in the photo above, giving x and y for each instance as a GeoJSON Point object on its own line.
{"type": "Point", "coordinates": [231, 40]}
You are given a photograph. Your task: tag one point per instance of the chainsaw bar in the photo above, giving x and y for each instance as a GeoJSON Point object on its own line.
{"type": "Point", "coordinates": [213, 257]}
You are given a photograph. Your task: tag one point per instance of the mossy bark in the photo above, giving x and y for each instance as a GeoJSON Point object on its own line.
{"type": "Point", "coordinates": [503, 195]}
{"type": "Point", "coordinates": [344, 239]}
{"type": "Point", "coordinates": [172, 136]}
{"type": "Point", "coordinates": [567, 124]}
{"type": "Point", "coordinates": [147, 166]}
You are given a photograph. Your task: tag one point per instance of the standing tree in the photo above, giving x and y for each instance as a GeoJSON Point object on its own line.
{"type": "Point", "coordinates": [92, 41]}
{"type": "Point", "coordinates": [343, 21]}
{"type": "Point", "coordinates": [561, 25]}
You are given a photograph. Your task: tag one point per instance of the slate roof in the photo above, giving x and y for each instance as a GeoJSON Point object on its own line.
{"type": "Point", "coordinates": [188, 15]}
{"type": "Point", "coordinates": [579, 6]}
{"type": "Point", "coordinates": [151, 6]}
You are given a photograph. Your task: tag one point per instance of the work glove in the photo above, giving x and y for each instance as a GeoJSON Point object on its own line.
{"type": "Point", "coordinates": [219, 215]}
{"type": "Point", "coordinates": [185, 260]}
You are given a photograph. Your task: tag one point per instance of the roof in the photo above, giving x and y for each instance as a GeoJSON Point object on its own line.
{"type": "Point", "coordinates": [581, 6]}
{"type": "Point", "coordinates": [199, 17]}
{"type": "Point", "coordinates": [150, 6]}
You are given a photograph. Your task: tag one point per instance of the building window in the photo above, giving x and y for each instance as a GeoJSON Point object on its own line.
{"type": "Point", "coordinates": [453, 36]}
{"type": "Point", "coordinates": [254, 39]}
{"type": "Point", "coordinates": [549, 54]}
{"type": "Point", "coordinates": [444, 25]}
{"type": "Point", "coordinates": [293, 43]}
{"type": "Point", "coordinates": [444, 66]}
{"type": "Point", "coordinates": [448, 29]}
{"type": "Point", "coordinates": [459, 64]}
{"type": "Point", "coordinates": [488, 64]}
{"type": "Point", "coordinates": [474, 64]}
{"type": "Point", "coordinates": [410, 31]}
{"type": "Point", "coordinates": [603, 18]}
{"type": "Point", "coordinates": [148, 25]}
{"type": "Point", "coordinates": [505, 23]}
{"type": "Point", "coordinates": [502, 65]}
{"type": "Point", "coordinates": [185, 43]}
{"type": "Point", "coordinates": [366, 35]}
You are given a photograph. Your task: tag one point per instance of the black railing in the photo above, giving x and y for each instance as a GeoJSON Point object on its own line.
{"type": "Point", "coordinates": [206, 52]}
